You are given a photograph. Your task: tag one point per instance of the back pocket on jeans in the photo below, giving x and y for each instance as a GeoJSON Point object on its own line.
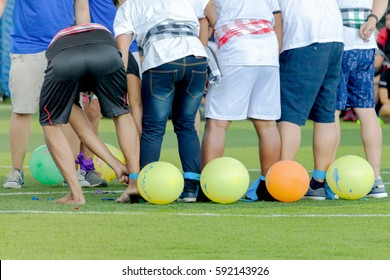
{"type": "Point", "coordinates": [162, 83]}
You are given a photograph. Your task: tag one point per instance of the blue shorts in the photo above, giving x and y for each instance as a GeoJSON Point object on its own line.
{"type": "Point", "coordinates": [308, 80]}
{"type": "Point", "coordinates": [356, 86]}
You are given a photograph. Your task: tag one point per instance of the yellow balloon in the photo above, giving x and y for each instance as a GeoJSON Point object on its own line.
{"type": "Point", "coordinates": [160, 182]}
{"type": "Point", "coordinates": [104, 170]}
{"type": "Point", "coordinates": [350, 177]}
{"type": "Point", "coordinates": [224, 180]}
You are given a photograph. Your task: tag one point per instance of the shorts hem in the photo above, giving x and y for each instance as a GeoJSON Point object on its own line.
{"type": "Point", "coordinates": [225, 118]}
{"type": "Point", "coordinates": [24, 112]}
{"type": "Point", "coordinates": [263, 117]}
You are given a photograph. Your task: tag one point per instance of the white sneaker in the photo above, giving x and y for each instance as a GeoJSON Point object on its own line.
{"type": "Point", "coordinates": [82, 181]}
{"type": "Point", "coordinates": [15, 179]}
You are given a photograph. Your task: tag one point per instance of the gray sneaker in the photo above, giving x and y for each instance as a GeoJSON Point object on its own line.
{"type": "Point", "coordinates": [94, 179]}
{"type": "Point", "coordinates": [378, 190]}
{"type": "Point", "coordinates": [317, 194]}
{"type": "Point", "coordinates": [15, 179]}
{"type": "Point", "coordinates": [81, 176]}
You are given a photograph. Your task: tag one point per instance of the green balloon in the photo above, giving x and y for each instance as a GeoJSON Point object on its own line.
{"type": "Point", "coordinates": [43, 168]}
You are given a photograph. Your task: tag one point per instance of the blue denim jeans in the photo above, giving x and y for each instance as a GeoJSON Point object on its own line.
{"type": "Point", "coordinates": [178, 86]}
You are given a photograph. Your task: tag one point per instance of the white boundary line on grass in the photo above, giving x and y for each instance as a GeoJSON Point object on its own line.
{"type": "Point", "coordinates": [198, 214]}
{"type": "Point", "coordinates": [249, 169]}
{"type": "Point", "coordinates": [64, 192]}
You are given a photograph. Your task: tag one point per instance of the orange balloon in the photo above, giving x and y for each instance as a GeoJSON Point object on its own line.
{"type": "Point", "coordinates": [287, 181]}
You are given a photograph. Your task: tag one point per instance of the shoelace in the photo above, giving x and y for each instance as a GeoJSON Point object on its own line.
{"type": "Point", "coordinates": [15, 175]}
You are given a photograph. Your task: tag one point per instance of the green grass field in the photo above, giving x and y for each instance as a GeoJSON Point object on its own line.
{"type": "Point", "coordinates": [105, 230]}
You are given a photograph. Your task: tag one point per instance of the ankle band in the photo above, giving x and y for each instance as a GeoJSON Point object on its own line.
{"type": "Point", "coordinates": [191, 176]}
{"type": "Point", "coordinates": [319, 174]}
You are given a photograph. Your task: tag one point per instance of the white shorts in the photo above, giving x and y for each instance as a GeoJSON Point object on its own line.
{"type": "Point", "coordinates": [245, 92]}
{"type": "Point", "coordinates": [25, 81]}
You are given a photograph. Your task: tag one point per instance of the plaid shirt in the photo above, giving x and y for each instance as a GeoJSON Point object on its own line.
{"type": "Point", "coordinates": [164, 31]}
{"type": "Point", "coordinates": [213, 69]}
{"type": "Point", "coordinates": [354, 17]}
{"type": "Point", "coordinates": [240, 27]}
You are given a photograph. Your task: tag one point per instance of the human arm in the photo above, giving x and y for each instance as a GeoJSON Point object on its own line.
{"type": "Point", "coordinates": [3, 3]}
{"type": "Point", "coordinates": [278, 28]}
{"type": "Point", "coordinates": [81, 10]}
{"type": "Point", "coordinates": [124, 41]}
{"type": "Point", "coordinates": [204, 31]}
{"type": "Point", "coordinates": [378, 9]}
{"type": "Point", "coordinates": [210, 13]}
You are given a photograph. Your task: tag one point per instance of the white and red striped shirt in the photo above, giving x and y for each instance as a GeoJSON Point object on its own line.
{"type": "Point", "coordinates": [78, 29]}
{"type": "Point", "coordinates": [240, 27]}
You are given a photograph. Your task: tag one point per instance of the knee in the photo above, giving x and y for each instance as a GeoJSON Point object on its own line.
{"type": "Point", "coordinates": [219, 125]}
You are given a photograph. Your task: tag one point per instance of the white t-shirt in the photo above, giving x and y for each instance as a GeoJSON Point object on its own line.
{"type": "Point", "coordinates": [248, 49]}
{"type": "Point", "coordinates": [199, 7]}
{"type": "Point", "coordinates": [310, 21]}
{"type": "Point", "coordinates": [139, 16]}
{"type": "Point", "coordinates": [352, 39]}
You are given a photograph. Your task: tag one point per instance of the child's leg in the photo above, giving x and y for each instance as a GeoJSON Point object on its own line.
{"type": "Point", "coordinates": [62, 155]}
{"type": "Point", "coordinates": [371, 133]}
{"type": "Point", "coordinates": [79, 123]}
{"type": "Point", "coordinates": [135, 101]}
{"type": "Point", "coordinates": [213, 143]}
{"type": "Point", "coordinates": [269, 152]}
{"type": "Point", "coordinates": [128, 139]}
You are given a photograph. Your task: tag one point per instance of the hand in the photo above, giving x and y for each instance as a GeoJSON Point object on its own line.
{"type": "Point", "coordinates": [367, 29]}
{"type": "Point", "coordinates": [122, 173]}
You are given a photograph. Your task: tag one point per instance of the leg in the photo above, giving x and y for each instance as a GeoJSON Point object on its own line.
{"type": "Point", "coordinates": [269, 153]}
{"type": "Point", "coordinates": [72, 138]}
{"type": "Point", "coordinates": [213, 142]}
{"type": "Point", "coordinates": [157, 95]}
{"type": "Point", "coordinates": [19, 136]}
{"type": "Point", "coordinates": [92, 111]}
{"type": "Point", "coordinates": [290, 135]}
{"type": "Point", "coordinates": [134, 96]}
{"type": "Point", "coordinates": [128, 139]}
{"type": "Point", "coordinates": [371, 134]}
{"type": "Point", "coordinates": [62, 155]}
{"type": "Point", "coordinates": [269, 143]}
{"type": "Point", "coordinates": [85, 159]}
{"type": "Point", "coordinates": [26, 77]}
{"type": "Point", "coordinates": [324, 145]}
{"type": "Point", "coordinates": [197, 123]}
{"type": "Point", "coordinates": [338, 131]}
{"type": "Point", "coordinates": [385, 113]}
{"type": "Point", "coordinates": [185, 106]}
{"type": "Point", "coordinates": [80, 124]}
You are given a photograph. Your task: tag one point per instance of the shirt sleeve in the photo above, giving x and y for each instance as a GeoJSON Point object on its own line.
{"type": "Point", "coordinates": [123, 23]}
{"type": "Point", "coordinates": [274, 4]}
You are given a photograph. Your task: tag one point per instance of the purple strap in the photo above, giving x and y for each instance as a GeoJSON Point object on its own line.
{"type": "Point", "coordinates": [85, 164]}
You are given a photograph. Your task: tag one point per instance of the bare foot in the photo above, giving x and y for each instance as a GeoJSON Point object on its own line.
{"type": "Point", "coordinates": [69, 199]}
{"type": "Point", "coordinates": [129, 195]}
